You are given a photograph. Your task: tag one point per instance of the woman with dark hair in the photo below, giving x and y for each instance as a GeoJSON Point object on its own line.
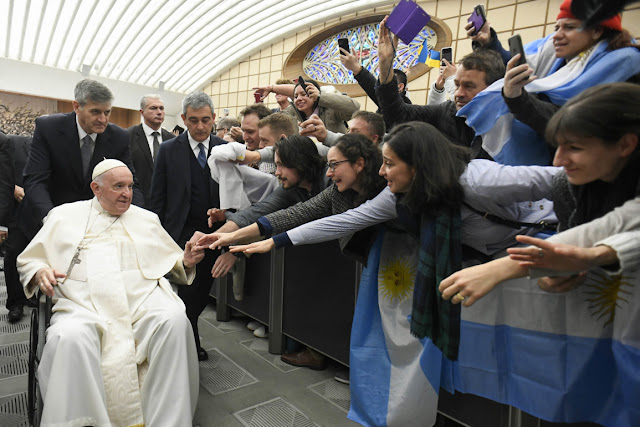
{"type": "Point", "coordinates": [565, 63]}
{"type": "Point", "coordinates": [332, 108]}
{"type": "Point", "coordinates": [428, 178]}
{"type": "Point", "coordinates": [430, 182]}
{"type": "Point", "coordinates": [595, 197]}
{"type": "Point", "coordinates": [353, 164]}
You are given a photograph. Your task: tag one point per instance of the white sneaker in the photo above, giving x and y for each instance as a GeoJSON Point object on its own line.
{"type": "Point", "coordinates": [253, 325]}
{"type": "Point", "coordinates": [261, 332]}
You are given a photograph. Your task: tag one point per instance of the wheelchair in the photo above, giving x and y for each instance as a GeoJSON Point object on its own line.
{"type": "Point", "coordinates": [40, 321]}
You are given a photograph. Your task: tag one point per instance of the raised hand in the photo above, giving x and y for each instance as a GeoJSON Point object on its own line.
{"type": "Point", "coordinates": [516, 78]}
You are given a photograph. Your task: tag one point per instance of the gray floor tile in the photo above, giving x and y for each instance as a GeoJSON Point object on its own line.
{"type": "Point", "coordinates": [220, 374]}
{"type": "Point", "coordinates": [273, 413]}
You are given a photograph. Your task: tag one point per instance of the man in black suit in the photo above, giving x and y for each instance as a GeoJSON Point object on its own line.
{"type": "Point", "coordinates": [13, 158]}
{"type": "Point", "coordinates": [182, 191]}
{"type": "Point", "coordinates": [64, 151]}
{"type": "Point", "coordinates": [145, 140]}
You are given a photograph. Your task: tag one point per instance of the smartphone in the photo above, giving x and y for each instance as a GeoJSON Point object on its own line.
{"type": "Point", "coordinates": [446, 53]}
{"type": "Point", "coordinates": [303, 84]}
{"type": "Point", "coordinates": [515, 47]}
{"type": "Point", "coordinates": [258, 97]}
{"type": "Point", "coordinates": [478, 18]}
{"type": "Point", "coordinates": [344, 44]}
{"type": "Point", "coordinates": [299, 114]}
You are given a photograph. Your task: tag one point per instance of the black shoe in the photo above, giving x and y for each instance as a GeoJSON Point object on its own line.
{"type": "Point", "coordinates": [202, 355]}
{"type": "Point", "coordinates": [15, 314]}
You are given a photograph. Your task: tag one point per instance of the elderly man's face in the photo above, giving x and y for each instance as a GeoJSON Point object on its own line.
{"type": "Point", "coordinates": [93, 117]}
{"type": "Point", "coordinates": [115, 191]}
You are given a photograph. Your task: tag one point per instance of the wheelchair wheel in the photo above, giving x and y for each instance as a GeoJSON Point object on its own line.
{"type": "Point", "coordinates": [40, 319]}
{"type": "Point", "coordinates": [32, 386]}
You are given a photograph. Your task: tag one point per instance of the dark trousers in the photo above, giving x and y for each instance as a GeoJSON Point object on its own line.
{"type": "Point", "coordinates": [15, 244]}
{"type": "Point", "coordinates": [196, 295]}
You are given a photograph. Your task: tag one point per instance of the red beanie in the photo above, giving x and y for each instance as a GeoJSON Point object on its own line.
{"type": "Point", "coordinates": [614, 23]}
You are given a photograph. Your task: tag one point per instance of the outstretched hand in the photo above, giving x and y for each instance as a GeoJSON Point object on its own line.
{"type": "Point", "coordinates": [261, 247]}
{"type": "Point", "coordinates": [469, 285]}
{"type": "Point", "coordinates": [223, 265]}
{"type": "Point", "coordinates": [559, 256]}
{"type": "Point", "coordinates": [561, 284]}
{"type": "Point", "coordinates": [217, 240]}
{"type": "Point", "coordinates": [215, 215]}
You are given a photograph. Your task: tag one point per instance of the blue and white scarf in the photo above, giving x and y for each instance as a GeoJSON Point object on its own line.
{"type": "Point", "coordinates": [510, 141]}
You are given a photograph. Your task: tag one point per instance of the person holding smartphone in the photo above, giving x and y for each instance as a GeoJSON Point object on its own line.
{"type": "Point", "coordinates": [334, 109]}
{"type": "Point", "coordinates": [367, 80]}
{"type": "Point", "coordinates": [444, 87]}
{"type": "Point", "coordinates": [558, 67]}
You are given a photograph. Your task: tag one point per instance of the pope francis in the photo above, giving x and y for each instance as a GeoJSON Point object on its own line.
{"type": "Point", "coordinates": [119, 351]}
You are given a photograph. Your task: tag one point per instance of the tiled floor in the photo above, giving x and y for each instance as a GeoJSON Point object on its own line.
{"type": "Point", "coordinates": [241, 384]}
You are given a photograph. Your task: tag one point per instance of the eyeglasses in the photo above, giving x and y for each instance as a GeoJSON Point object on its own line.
{"type": "Point", "coordinates": [334, 165]}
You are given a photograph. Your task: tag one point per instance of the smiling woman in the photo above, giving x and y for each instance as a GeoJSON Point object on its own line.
{"type": "Point", "coordinates": [597, 137]}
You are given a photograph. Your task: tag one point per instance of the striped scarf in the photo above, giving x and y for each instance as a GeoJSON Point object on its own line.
{"type": "Point", "coordinates": [440, 255]}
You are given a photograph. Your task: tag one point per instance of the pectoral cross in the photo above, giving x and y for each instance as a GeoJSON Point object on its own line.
{"type": "Point", "coordinates": [75, 260]}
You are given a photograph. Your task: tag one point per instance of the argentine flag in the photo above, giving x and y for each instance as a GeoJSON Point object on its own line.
{"type": "Point", "coordinates": [566, 357]}
{"type": "Point", "coordinates": [511, 142]}
{"type": "Point", "coordinates": [394, 377]}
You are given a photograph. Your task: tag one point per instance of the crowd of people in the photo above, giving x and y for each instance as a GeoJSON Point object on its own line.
{"type": "Point", "coordinates": [127, 229]}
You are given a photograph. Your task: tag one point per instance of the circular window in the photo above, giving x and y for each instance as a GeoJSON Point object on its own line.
{"type": "Point", "coordinates": [322, 63]}
{"type": "Point", "coordinates": [318, 56]}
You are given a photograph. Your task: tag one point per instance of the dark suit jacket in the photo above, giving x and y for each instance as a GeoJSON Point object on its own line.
{"type": "Point", "coordinates": [6, 181]}
{"type": "Point", "coordinates": [53, 173]}
{"type": "Point", "coordinates": [171, 187]}
{"type": "Point", "coordinates": [142, 159]}
{"type": "Point", "coordinates": [13, 157]}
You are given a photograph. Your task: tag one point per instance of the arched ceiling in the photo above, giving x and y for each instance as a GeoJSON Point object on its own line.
{"type": "Point", "coordinates": [175, 45]}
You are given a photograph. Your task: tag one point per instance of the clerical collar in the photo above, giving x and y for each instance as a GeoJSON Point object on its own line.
{"type": "Point", "coordinates": [82, 133]}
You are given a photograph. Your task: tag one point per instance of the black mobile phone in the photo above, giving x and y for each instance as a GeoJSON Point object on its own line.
{"type": "Point", "coordinates": [515, 47]}
{"type": "Point", "coordinates": [299, 114]}
{"type": "Point", "coordinates": [446, 53]}
{"type": "Point", "coordinates": [303, 84]}
{"type": "Point", "coordinates": [344, 44]}
{"type": "Point", "coordinates": [478, 18]}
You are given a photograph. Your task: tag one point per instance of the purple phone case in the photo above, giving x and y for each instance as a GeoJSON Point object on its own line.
{"type": "Point", "coordinates": [406, 20]}
{"type": "Point", "coordinates": [477, 20]}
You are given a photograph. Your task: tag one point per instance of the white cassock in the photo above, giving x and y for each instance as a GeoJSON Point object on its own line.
{"type": "Point", "coordinates": [120, 349]}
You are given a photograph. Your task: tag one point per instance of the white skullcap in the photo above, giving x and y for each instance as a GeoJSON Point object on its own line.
{"type": "Point", "coordinates": [106, 165]}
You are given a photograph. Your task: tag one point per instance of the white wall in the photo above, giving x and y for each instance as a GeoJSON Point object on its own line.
{"type": "Point", "coordinates": [29, 79]}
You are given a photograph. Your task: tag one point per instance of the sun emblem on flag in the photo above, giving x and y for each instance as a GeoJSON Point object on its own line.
{"type": "Point", "coordinates": [396, 278]}
{"type": "Point", "coordinates": [607, 294]}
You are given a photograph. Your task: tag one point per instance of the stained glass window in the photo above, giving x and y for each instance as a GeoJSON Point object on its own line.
{"type": "Point", "coordinates": [323, 64]}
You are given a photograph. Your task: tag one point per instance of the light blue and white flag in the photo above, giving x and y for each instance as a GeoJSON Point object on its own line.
{"type": "Point", "coordinates": [389, 381]}
{"type": "Point", "coordinates": [511, 142]}
{"type": "Point", "coordinates": [561, 357]}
